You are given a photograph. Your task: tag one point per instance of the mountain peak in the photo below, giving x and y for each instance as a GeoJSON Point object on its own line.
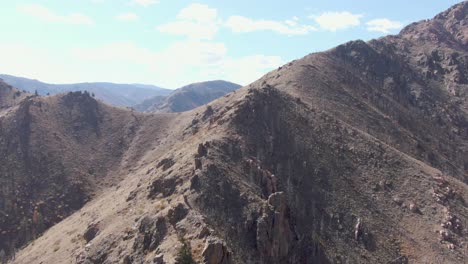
{"type": "Point", "coordinates": [457, 12]}
{"type": "Point", "coordinates": [449, 28]}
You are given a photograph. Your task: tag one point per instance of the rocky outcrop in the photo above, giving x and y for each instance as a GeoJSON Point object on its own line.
{"type": "Point", "coordinates": [274, 235]}
{"type": "Point", "coordinates": [216, 252]}
{"type": "Point", "coordinates": [177, 213]}
{"type": "Point", "coordinates": [165, 187]}
{"type": "Point", "coordinates": [165, 164]}
{"type": "Point", "coordinates": [151, 232]}
{"type": "Point", "coordinates": [91, 232]}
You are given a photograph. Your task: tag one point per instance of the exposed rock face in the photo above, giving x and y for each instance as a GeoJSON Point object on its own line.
{"type": "Point", "coordinates": [177, 213]}
{"type": "Point", "coordinates": [91, 232]}
{"type": "Point", "coordinates": [165, 187]}
{"type": "Point", "coordinates": [151, 232]}
{"type": "Point", "coordinates": [215, 252]}
{"type": "Point", "coordinates": [165, 164]}
{"type": "Point", "coordinates": [274, 234]}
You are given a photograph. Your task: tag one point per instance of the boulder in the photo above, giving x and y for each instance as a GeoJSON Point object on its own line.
{"type": "Point", "coordinates": [91, 232]}
{"type": "Point", "coordinates": [166, 187]}
{"type": "Point", "coordinates": [202, 151]}
{"type": "Point", "coordinates": [198, 164]}
{"type": "Point", "coordinates": [414, 208]}
{"type": "Point", "coordinates": [216, 252]}
{"type": "Point", "coordinates": [151, 232]}
{"type": "Point", "coordinates": [165, 163]}
{"type": "Point", "coordinates": [177, 213]}
{"type": "Point", "coordinates": [159, 259]}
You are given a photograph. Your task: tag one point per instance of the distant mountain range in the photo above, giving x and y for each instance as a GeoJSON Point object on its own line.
{"type": "Point", "coordinates": [188, 97]}
{"type": "Point", "coordinates": [111, 93]}
{"type": "Point", "coordinates": [142, 97]}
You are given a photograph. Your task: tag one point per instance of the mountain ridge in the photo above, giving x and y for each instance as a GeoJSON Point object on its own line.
{"type": "Point", "coordinates": [111, 93]}
{"type": "Point", "coordinates": [188, 97]}
{"type": "Point", "coordinates": [353, 155]}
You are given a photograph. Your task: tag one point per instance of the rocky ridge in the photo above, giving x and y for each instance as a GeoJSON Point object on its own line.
{"type": "Point", "coordinates": [353, 155]}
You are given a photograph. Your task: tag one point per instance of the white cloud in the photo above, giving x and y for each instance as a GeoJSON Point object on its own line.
{"type": "Point", "coordinates": [196, 58]}
{"type": "Point", "coordinates": [292, 22]}
{"type": "Point", "coordinates": [196, 21]}
{"type": "Point", "coordinates": [198, 12]}
{"type": "Point", "coordinates": [122, 52]}
{"type": "Point", "coordinates": [46, 14]}
{"type": "Point", "coordinates": [128, 17]}
{"type": "Point", "coordinates": [242, 24]}
{"type": "Point", "coordinates": [199, 21]}
{"type": "Point", "coordinates": [245, 70]}
{"type": "Point", "coordinates": [145, 3]}
{"type": "Point", "coordinates": [32, 62]}
{"type": "Point", "coordinates": [334, 21]}
{"type": "Point", "coordinates": [182, 62]}
{"type": "Point", "coordinates": [383, 25]}
{"type": "Point", "coordinates": [190, 29]}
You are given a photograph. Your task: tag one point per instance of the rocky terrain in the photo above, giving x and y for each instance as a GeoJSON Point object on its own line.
{"type": "Point", "coordinates": [353, 155]}
{"type": "Point", "coordinates": [188, 97]}
{"type": "Point", "coordinates": [126, 95]}
{"type": "Point", "coordinates": [9, 96]}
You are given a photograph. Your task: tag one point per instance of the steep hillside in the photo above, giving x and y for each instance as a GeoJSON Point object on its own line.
{"type": "Point", "coordinates": [9, 96]}
{"type": "Point", "coordinates": [150, 103]}
{"type": "Point", "coordinates": [57, 153]}
{"type": "Point", "coordinates": [354, 155]}
{"type": "Point", "coordinates": [188, 97]}
{"type": "Point", "coordinates": [111, 93]}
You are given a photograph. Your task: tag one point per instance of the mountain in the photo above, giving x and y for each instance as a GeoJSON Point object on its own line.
{"type": "Point", "coordinates": [353, 155]}
{"type": "Point", "coordinates": [111, 93]}
{"type": "Point", "coordinates": [188, 97]}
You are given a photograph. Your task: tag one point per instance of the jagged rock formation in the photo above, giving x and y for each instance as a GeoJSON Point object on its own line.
{"type": "Point", "coordinates": [354, 155]}
{"type": "Point", "coordinates": [215, 252]}
{"type": "Point", "coordinates": [188, 97]}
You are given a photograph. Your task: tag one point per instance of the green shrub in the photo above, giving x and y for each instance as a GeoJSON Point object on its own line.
{"type": "Point", "coordinates": [184, 256]}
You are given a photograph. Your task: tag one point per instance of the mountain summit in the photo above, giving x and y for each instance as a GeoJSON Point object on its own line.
{"type": "Point", "coordinates": [353, 155]}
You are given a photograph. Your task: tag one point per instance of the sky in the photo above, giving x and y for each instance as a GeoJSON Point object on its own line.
{"type": "Point", "coordinates": [172, 43]}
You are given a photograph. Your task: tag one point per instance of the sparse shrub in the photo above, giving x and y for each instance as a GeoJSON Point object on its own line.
{"type": "Point", "coordinates": [56, 248]}
{"type": "Point", "coordinates": [208, 112]}
{"type": "Point", "coordinates": [184, 256]}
